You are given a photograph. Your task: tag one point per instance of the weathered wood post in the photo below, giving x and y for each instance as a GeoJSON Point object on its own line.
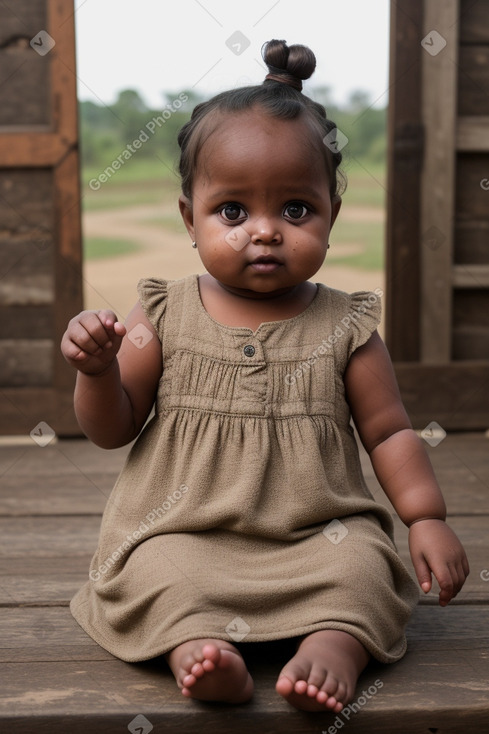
{"type": "Point", "coordinates": [40, 227]}
{"type": "Point", "coordinates": [438, 210]}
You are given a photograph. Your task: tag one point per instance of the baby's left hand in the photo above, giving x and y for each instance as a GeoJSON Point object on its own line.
{"type": "Point", "coordinates": [435, 548]}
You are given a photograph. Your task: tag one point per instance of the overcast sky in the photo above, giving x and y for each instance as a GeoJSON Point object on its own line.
{"type": "Point", "coordinates": [211, 45]}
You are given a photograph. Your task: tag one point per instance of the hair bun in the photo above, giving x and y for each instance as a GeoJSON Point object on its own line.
{"type": "Point", "coordinates": [288, 64]}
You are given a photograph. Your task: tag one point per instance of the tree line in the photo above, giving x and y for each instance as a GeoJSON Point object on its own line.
{"type": "Point", "coordinates": [106, 131]}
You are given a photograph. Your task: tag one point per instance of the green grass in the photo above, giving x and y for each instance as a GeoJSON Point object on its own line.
{"type": "Point", "coordinates": [366, 189]}
{"type": "Point", "coordinates": [127, 196]}
{"type": "Point", "coordinates": [366, 183]}
{"type": "Point", "coordinates": [136, 182]}
{"type": "Point", "coordinates": [369, 236]}
{"type": "Point", "coordinates": [96, 248]}
{"type": "Point", "coordinates": [133, 171]}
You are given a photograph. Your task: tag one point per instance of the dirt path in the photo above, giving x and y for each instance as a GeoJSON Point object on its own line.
{"type": "Point", "coordinates": [111, 283]}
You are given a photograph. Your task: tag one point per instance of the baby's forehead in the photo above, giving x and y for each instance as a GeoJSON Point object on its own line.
{"type": "Point", "coordinates": [262, 159]}
{"type": "Point", "coordinates": [252, 146]}
{"type": "Point", "coordinates": [256, 132]}
{"type": "Point", "coordinates": [256, 119]}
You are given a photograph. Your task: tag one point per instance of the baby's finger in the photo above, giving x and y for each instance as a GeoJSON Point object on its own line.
{"type": "Point", "coordinates": [89, 334]}
{"type": "Point", "coordinates": [459, 575]}
{"type": "Point", "coordinates": [446, 584]}
{"type": "Point", "coordinates": [120, 329]}
{"type": "Point", "coordinates": [107, 318]}
{"type": "Point", "coordinates": [115, 329]}
{"type": "Point", "coordinates": [72, 351]}
{"type": "Point", "coordinates": [423, 573]}
{"type": "Point", "coordinates": [117, 332]}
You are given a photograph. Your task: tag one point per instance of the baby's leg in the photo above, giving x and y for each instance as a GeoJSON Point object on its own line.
{"type": "Point", "coordinates": [211, 670]}
{"type": "Point", "coordinates": [324, 671]}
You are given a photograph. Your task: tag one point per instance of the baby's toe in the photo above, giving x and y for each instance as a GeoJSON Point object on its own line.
{"type": "Point", "coordinates": [322, 697]}
{"type": "Point", "coordinates": [297, 674]}
{"type": "Point", "coordinates": [331, 686]}
{"type": "Point", "coordinates": [188, 681]}
{"type": "Point", "coordinates": [208, 665]}
{"type": "Point", "coordinates": [212, 653]}
{"type": "Point", "coordinates": [341, 692]}
{"type": "Point", "coordinates": [300, 686]}
{"type": "Point", "coordinates": [335, 708]}
{"type": "Point", "coordinates": [312, 690]}
{"type": "Point", "coordinates": [188, 661]}
{"type": "Point", "coordinates": [315, 680]}
{"type": "Point", "coordinates": [284, 685]}
{"type": "Point", "coordinates": [197, 669]}
{"type": "Point", "coordinates": [332, 694]}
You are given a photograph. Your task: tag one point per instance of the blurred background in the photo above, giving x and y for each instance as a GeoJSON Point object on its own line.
{"type": "Point", "coordinates": [140, 72]}
{"type": "Point", "coordinates": [97, 92]}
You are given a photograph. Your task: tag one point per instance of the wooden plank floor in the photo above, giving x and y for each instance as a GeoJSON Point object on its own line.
{"type": "Point", "coordinates": [56, 679]}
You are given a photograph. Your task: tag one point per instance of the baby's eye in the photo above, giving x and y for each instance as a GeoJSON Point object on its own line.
{"type": "Point", "coordinates": [232, 212]}
{"type": "Point", "coordinates": [296, 210]}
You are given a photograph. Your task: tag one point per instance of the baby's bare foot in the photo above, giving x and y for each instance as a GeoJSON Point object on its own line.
{"type": "Point", "coordinates": [324, 671]}
{"type": "Point", "coordinates": [211, 670]}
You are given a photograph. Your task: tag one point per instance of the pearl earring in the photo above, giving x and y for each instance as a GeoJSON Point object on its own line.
{"type": "Point", "coordinates": [194, 244]}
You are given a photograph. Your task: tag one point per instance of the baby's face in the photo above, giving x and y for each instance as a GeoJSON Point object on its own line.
{"type": "Point", "coordinates": [261, 209]}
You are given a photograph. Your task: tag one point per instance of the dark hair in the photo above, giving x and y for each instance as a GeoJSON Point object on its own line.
{"type": "Point", "coordinates": [280, 96]}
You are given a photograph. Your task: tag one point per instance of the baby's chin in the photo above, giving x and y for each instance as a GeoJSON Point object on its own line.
{"type": "Point", "coordinates": [261, 291]}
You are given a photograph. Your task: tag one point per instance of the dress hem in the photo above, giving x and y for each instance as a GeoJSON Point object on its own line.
{"type": "Point", "coordinates": [373, 650]}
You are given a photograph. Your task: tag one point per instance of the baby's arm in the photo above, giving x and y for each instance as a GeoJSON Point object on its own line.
{"type": "Point", "coordinates": [116, 381]}
{"type": "Point", "coordinates": [403, 468]}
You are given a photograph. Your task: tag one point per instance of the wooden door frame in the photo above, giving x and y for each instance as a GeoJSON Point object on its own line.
{"type": "Point", "coordinates": [424, 135]}
{"type": "Point", "coordinates": [54, 147]}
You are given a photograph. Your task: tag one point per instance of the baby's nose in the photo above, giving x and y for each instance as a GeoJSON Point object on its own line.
{"type": "Point", "coordinates": [266, 231]}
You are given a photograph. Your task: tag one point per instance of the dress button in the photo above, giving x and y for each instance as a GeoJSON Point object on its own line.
{"type": "Point", "coordinates": [249, 350]}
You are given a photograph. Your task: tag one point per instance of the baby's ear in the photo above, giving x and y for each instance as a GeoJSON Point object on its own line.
{"type": "Point", "coordinates": [185, 206]}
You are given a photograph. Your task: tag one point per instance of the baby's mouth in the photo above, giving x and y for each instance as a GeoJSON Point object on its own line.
{"type": "Point", "coordinates": [266, 259]}
{"type": "Point", "coordinates": [265, 263]}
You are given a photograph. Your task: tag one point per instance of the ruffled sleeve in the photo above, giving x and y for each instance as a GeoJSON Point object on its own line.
{"type": "Point", "coordinates": [363, 317]}
{"type": "Point", "coordinates": [153, 294]}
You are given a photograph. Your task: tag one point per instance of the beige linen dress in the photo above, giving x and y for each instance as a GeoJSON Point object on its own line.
{"type": "Point", "coordinates": [241, 512]}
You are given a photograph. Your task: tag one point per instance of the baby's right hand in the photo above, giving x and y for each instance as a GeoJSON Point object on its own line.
{"type": "Point", "coordinates": [92, 340]}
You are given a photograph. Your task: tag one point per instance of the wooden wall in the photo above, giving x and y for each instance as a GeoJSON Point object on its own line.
{"type": "Point", "coordinates": [471, 241]}
{"type": "Point", "coordinates": [40, 231]}
{"type": "Point", "coordinates": [438, 210]}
